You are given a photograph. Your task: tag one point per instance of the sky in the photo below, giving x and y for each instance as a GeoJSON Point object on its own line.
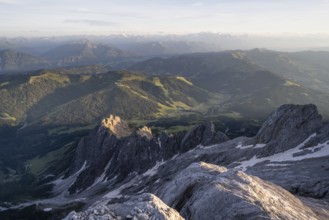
{"type": "Point", "coordinates": [102, 17]}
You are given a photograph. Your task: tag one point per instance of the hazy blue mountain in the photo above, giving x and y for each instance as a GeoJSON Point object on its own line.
{"type": "Point", "coordinates": [247, 83]}
{"type": "Point", "coordinates": [84, 52]}
{"type": "Point", "coordinates": [309, 68]}
{"type": "Point", "coordinates": [11, 60]}
{"type": "Point", "coordinates": [50, 144]}
{"type": "Point", "coordinates": [158, 48]}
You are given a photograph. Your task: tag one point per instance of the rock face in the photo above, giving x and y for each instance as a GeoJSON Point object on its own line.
{"type": "Point", "coordinates": [206, 191]}
{"type": "Point", "coordinates": [194, 181]}
{"type": "Point", "coordinates": [288, 126]}
{"type": "Point", "coordinates": [205, 135]}
{"type": "Point", "coordinates": [145, 132]}
{"type": "Point", "coordinates": [118, 127]}
{"type": "Point", "coordinates": [111, 152]}
{"type": "Point", "coordinates": [143, 207]}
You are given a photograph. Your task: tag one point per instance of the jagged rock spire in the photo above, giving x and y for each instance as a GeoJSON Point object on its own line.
{"type": "Point", "coordinates": [118, 127]}
{"type": "Point", "coordinates": [145, 132]}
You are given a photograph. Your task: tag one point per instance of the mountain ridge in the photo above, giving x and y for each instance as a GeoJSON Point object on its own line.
{"type": "Point", "coordinates": [187, 182]}
{"type": "Point", "coordinates": [11, 61]}
{"type": "Point", "coordinates": [112, 184]}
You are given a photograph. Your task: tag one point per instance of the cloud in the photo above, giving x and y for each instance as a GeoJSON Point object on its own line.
{"type": "Point", "coordinates": [125, 14]}
{"type": "Point", "coordinates": [8, 2]}
{"type": "Point", "coordinates": [198, 4]}
{"type": "Point", "coordinates": [92, 22]}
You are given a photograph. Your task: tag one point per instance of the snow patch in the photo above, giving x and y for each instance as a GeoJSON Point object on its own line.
{"type": "Point", "coordinates": [154, 169]}
{"type": "Point", "coordinates": [101, 178]}
{"type": "Point", "coordinates": [174, 157]}
{"type": "Point", "coordinates": [47, 209]}
{"type": "Point", "coordinates": [159, 142]}
{"type": "Point", "coordinates": [207, 147]}
{"type": "Point", "coordinates": [243, 147]}
{"type": "Point", "coordinates": [61, 184]}
{"type": "Point", "coordinates": [259, 146]}
{"type": "Point", "coordinates": [277, 165]}
{"type": "Point", "coordinates": [250, 146]}
{"type": "Point", "coordinates": [320, 150]}
{"type": "Point", "coordinates": [116, 193]}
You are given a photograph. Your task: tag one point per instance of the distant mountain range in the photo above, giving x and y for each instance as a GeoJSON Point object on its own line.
{"type": "Point", "coordinates": [80, 53]}
{"type": "Point", "coordinates": [11, 61]}
{"type": "Point", "coordinates": [256, 79]}
{"type": "Point", "coordinates": [241, 83]}
{"type": "Point", "coordinates": [84, 53]}
{"type": "Point", "coordinates": [216, 41]}
{"type": "Point", "coordinates": [158, 48]}
{"type": "Point", "coordinates": [68, 98]}
{"type": "Point", "coordinates": [121, 51]}
{"type": "Point", "coordinates": [52, 146]}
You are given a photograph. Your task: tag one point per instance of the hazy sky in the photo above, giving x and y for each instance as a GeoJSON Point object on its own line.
{"type": "Point", "coordinates": [75, 17]}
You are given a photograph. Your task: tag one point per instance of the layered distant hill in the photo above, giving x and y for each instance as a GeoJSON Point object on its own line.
{"type": "Point", "coordinates": [46, 114]}
{"type": "Point", "coordinates": [84, 53]}
{"type": "Point", "coordinates": [81, 53]}
{"type": "Point", "coordinates": [17, 61]}
{"type": "Point", "coordinates": [70, 99]}
{"type": "Point", "coordinates": [256, 79]}
{"type": "Point", "coordinates": [158, 48]}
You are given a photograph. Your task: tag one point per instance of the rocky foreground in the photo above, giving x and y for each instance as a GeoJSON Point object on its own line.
{"type": "Point", "coordinates": [206, 191]}
{"type": "Point", "coordinates": [281, 173]}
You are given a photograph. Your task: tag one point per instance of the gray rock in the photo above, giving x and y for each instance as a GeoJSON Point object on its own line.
{"type": "Point", "coordinates": [288, 126]}
{"type": "Point", "coordinates": [142, 216]}
{"type": "Point", "coordinates": [150, 206]}
{"type": "Point", "coordinates": [203, 134]}
{"type": "Point", "coordinates": [207, 191]}
{"type": "Point", "coordinates": [118, 157]}
{"type": "Point", "coordinates": [308, 178]}
{"type": "Point", "coordinates": [200, 190]}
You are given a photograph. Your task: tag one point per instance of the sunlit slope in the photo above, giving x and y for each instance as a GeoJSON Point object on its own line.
{"type": "Point", "coordinates": [57, 98]}
{"type": "Point", "coordinates": [251, 89]}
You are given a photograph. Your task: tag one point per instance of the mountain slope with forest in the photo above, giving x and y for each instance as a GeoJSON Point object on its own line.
{"type": "Point", "coordinates": [51, 143]}
{"type": "Point", "coordinates": [249, 85]}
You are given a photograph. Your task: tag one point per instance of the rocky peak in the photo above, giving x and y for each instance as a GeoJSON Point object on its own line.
{"type": "Point", "coordinates": [288, 126]}
{"type": "Point", "coordinates": [86, 42]}
{"type": "Point", "coordinates": [145, 206]}
{"type": "Point", "coordinates": [203, 134]}
{"type": "Point", "coordinates": [90, 44]}
{"type": "Point", "coordinates": [115, 151]}
{"type": "Point", "coordinates": [118, 127]}
{"type": "Point", "coordinates": [145, 132]}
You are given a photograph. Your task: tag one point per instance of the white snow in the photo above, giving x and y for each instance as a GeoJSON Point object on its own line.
{"type": "Point", "coordinates": [61, 185]}
{"type": "Point", "coordinates": [154, 169]}
{"type": "Point", "coordinates": [260, 145]}
{"type": "Point", "coordinates": [47, 209]}
{"type": "Point", "coordinates": [277, 165]}
{"type": "Point", "coordinates": [60, 188]}
{"type": "Point", "coordinates": [24, 125]}
{"type": "Point", "coordinates": [321, 150]}
{"type": "Point", "coordinates": [250, 146]}
{"type": "Point", "coordinates": [101, 178]}
{"type": "Point", "coordinates": [58, 181]}
{"type": "Point", "coordinates": [207, 147]}
{"type": "Point", "coordinates": [244, 147]}
{"type": "Point", "coordinates": [159, 142]}
{"type": "Point", "coordinates": [116, 193]}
